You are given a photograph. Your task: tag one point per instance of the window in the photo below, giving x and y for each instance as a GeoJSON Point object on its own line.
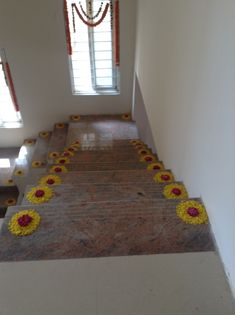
{"type": "Point", "coordinates": [9, 110]}
{"type": "Point", "coordinates": [92, 32]}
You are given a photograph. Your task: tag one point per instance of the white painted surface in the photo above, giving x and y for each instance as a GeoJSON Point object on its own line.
{"type": "Point", "coordinates": [33, 35]}
{"type": "Point", "coordinates": [186, 69]}
{"type": "Point", "coordinates": [179, 284]}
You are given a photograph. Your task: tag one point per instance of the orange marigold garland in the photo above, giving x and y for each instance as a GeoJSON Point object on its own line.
{"type": "Point", "coordinates": [39, 194]}
{"type": "Point", "coordinates": [24, 222]}
{"type": "Point", "coordinates": [164, 177]}
{"type": "Point", "coordinates": [192, 212]}
{"type": "Point", "coordinates": [175, 191]}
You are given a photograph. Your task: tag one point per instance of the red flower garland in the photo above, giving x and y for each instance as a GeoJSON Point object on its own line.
{"type": "Point", "coordinates": [117, 46]}
{"type": "Point", "coordinates": [12, 89]}
{"type": "Point", "coordinates": [67, 30]}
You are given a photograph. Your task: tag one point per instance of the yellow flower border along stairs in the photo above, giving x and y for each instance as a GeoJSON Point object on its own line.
{"type": "Point", "coordinates": [96, 192]}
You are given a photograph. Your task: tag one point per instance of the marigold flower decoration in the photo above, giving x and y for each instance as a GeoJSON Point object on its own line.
{"type": "Point", "coordinates": [58, 169]}
{"type": "Point", "coordinates": [62, 160]}
{"type": "Point", "coordinates": [29, 142]}
{"type": "Point", "coordinates": [149, 158]}
{"type": "Point", "coordinates": [192, 212]}
{"type": "Point", "coordinates": [24, 222]}
{"type": "Point", "coordinates": [155, 166]}
{"type": "Point", "coordinates": [136, 141]}
{"type": "Point", "coordinates": [9, 182]}
{"type": "Point", "coordinates": [59, 125]}
{"type": "Point", "coordinates": [36, 164]}
{"type": "Point", "coordinates": [140, 146]}
{"type": "Point", "coordinates": [39, 194]}
{"type": "Point", "coordinates": [44, 134]}
{"type": "Point", "coordinates": [19, 172]}
{"type": "Point", "coordinates": [144, 151]}
{"type": "Point", "coordinates": [50, 180]}
{"type": "Point", "coordinates": [71, 149]}
{"type": "Point", "coordinates": [75, 117]}
{"type": "Point", "coordinates": [164, 177]}
{"type": "Point", "coordinates": [126, 116]}
{"type": "Point", "coordinates": [10, 202]}
{"type": "Point", "coordinates": [67, 153]}
{"type": "Point", "coordinates": [175, 191]}
{"type": "Point", "coordinates": [54, 155]}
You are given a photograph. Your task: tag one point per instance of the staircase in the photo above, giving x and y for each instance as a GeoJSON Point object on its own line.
{"type": "Point", "coordinates": [98, 191]}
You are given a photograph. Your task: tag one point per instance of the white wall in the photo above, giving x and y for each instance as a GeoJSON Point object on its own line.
{"type": "Point", "coordinates": [32, 33]}
{"type": "Point", "coordinates": [185, 64]}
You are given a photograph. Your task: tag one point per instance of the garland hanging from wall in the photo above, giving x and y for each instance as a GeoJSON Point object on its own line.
{"type": "Point", "coordinates": [67, 29]}
{"type": "Point", "coordinates": [9, 82]}
{"type": "Point", "coordinates": [117, 47]}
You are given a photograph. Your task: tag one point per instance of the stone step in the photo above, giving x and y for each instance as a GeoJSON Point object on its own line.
{"type": "Point", "coordinates": [58, 137]}
{"type": "Point", "coordinates": [102, 192]}
{"type": "Point", "coordinates": [119, 176]}
{"type": "Point", "coordinates": [104, 229]}
{"type": "Point", "coordinates": [41, 148]}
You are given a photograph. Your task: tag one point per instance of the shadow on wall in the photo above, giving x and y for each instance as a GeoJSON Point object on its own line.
{"type": "Point", "coordinates": [140, 116]}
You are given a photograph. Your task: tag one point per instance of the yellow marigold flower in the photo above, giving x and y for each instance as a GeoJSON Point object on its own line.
{"type": "Point", "coordinates": [62, 160]}
{"type": "Point", "coordinates": [175, 191]}
{"type": "Point", "coordinates": [136, 141]}
{"type": "Point", "coordinates": [126, 116]}
{"type": "Point", "coordinates": [67, 153]}
{"type": "Point", "coordinates": [72, 149]}
{"type": "Point", "coordinates": [9, 182]}
{"type": "Point", "coordinates": [44, 134]}
{"type": "Point", "coordinates": [10, 202]}
{"type": "Point", "coordinates": [140, 146]}
{"type": "Point", "coordinates": [155, 166]}
{"type": "Point", "coordinates": [76, 142]}
{"type": "Point", "coordinates": [19, 172]}
{"type": "Point", "coordinates": [144, 151]}
{"type": "Point", "coordinates": [54, 155]}
{"type": "Point", "coordinates": [164, 177]}
{"type": "Point", "coordinates": [24, 222]}
{"type": "Point", "coordinates": [75, 145]}
{"type": "Point", "coordinates": [50, 180]}
{"type": "Point", "coordinates": [29, 142]}
{"type": "Point", "coordinates": [75, 118]}
{"type": "Point", "coordinates": [192, 212]}
{"type": "Point", "coordinates": [58, 169]}
{"type": "Point", "coordinates": [36, 164]}
{"type": "Point", "coordinates": [59, 125]}
{"type": "Point", "coordinates": [39, 194]}
{"type": "Point", "coordinates": [149, 158]}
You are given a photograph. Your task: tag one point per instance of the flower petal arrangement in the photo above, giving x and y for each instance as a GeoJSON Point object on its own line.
{"type": "Point", "coordinates": [53, 155]}
{"type": "Point", "coordinates": [50, 180]}
{"type": "Point", "coordinates": [62, 160]}
{"type": "Point", "coordinates": [24, 222]}
{"type": "Point", "coordinates": [144, 151]}
{"type": "Point", "coordinates": [29, 142]}
{"type": "Point", "coordinates": [164, 177]}
{"type": "Point", "coordinates": [10, 202]}
{"type": "Point", "coordinates": [136, 141]}
{"type": "Point", "coordinates": [39, 194]}
{"type": "Point", "coordinates": [9, 182]}
{"type": "Point", "coordinates": [75, 117]}
{"type": "Point", "coordinates": [175, 191]}
{"type": "Point", "coordinates": [148, 158]}
{"type": "Point", "coordinates": [59, 125]}
{"type": "Point", "coordinates": [36, 164]}
{"type": "Point", "coordinates": [44, 134]}
{"type": "Point", "coordinates": [19, 172]}
{"type": "Point", "coordinates": [67, 153]}
{"type": "Point", "coordinates": [155, 166]}
{"type": "Point", "coordinates": [192, 212]}
{"type": "Point", "coordinates": [126, 116]}
{"type": "Point", "coordinates": [58, 169]}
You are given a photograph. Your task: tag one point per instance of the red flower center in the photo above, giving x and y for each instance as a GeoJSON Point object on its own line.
{"type": "Point", "coordinates": [148, 159]}
{"type": "Point", "coordinates": [156, 167]}
{"type": "Point", "coordinates": [176, 191]}
{"type": "Point", "coordinates": [193, 212]}
{"type": "Point", "coordinates": [24, 220]}
{"type": "Point", "coordinates": [39, 193]}
{"type": "Point", "coordinates": [58, 170]}
{"type": "Point", "coordinates": [50, 181]}
{"type": "Point", "coordinates": [165, 177]}
{"type": "Point", "coordinates": [62, 161]}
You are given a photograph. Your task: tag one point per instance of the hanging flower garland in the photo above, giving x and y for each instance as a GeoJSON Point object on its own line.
{"type": "Point", "coordinates": [9, 182]}
{"type": "Point", "coordinates": [192, 212]}
{"type": "Point", "coordinates": [67, 29]}
{"type": "Point", "coordinates": [54, 155]}
{"type": "Point", "coordinates": [74, 7]}
{"type": "Point", "coordinates": [149, 158]}
{"type": "Point", "coordinates": [50, 180]}
{"type": "Point", "coordinates": [164, 177]}
{"type": "Point", "coordinates": [39, 194]}
{"type": "Point", "coordinates": [75, 118]}
{"type": "Point", "coordinates": [58, 169]}
{"type": "Point", "coordinates": [89, 17]}
{"type": "Point", "coordinates": [29, 142]}
{"type": "Point", "coordinates": [10, 202]}
{"type": "Point", "coordinates": [63, 160]}
{"type": "Point", "coordinates": [111, 13]}
{"type": "Point", "coordinates": [59, 125]}
{"type": "Point", "coordinates": [155, 166]}
{"type": "Point", "coordinates": [126, 117]}
{"type": "Point", "coordinates": [19, 172]}
{"type": "Point", "coordinates": [44, 134]}
{"type": "Point", "coordinates": [36, 164]}
{"type": "Point", "coordinates": [116, 37]}
{"type": "Point", "coordinates": [175, 191]}
{"type": "Point", "coordinates": [24, 222]}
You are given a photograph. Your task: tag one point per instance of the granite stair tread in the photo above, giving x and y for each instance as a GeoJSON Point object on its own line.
{"type": "Point", "coordinates": [58, 137]}
{"type": "Point", "coordinates": [41, 148]}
